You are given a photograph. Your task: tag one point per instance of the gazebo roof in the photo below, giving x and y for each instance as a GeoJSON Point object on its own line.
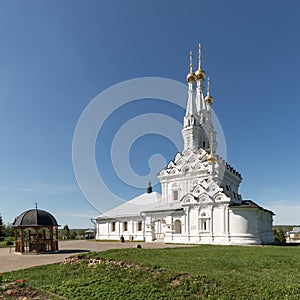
{"type": "Point", "coordinates": [35, 217]}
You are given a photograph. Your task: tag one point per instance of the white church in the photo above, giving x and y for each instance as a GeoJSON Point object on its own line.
{"type": "Point", "coordinates": [200, 201]}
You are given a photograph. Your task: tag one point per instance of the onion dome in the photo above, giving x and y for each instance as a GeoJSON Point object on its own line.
{"type": "Point", "coordinates": [211, 158]}
{"type": "Point", "coordinates": [191, 77]}
{"type": "Point", "coordinates": [35, 217]}
{"type": "Point", "coordinates": [200, 74]}
{"type": "Point", "coordinates": [208, 98]}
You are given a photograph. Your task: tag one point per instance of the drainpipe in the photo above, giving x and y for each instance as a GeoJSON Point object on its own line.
{"type": "Point", "coordinates": [95, 227]}
{"type": "Point", "coordinates": [144, 225]}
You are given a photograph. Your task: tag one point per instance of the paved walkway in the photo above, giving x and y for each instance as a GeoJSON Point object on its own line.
{"type": "Point", "coordinates": [11, 261]}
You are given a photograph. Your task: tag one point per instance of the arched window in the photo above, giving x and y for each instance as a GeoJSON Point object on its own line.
{"type": "Point", "coordinates": [177, 226]}
{"type": "Point", "coordinates": [113, 226]}
{"type": "Point", "coordinates": [204, 222]}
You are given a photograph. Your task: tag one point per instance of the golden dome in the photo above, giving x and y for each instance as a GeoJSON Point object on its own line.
{"type": "Point", "coordinates": [191, 77]}
{"type": "Point", "coordinates": [200, 74]}
{"type": "Point", "coordinates": [209, 99]}
{"type": "Point", "coordinates": [211, 158]}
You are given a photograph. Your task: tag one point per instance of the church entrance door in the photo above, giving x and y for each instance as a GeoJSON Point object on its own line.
{"type": "Point", "coordinates": [158, 233]}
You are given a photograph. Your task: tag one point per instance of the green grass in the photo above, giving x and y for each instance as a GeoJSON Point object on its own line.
{"type": "Point", "coordinates": [200, 272]}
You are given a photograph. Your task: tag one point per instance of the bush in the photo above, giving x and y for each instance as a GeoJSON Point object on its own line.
{"type": "Point", "coordinates": [9, 243]}
{"type": "Point", "coordinates": [279, 236]}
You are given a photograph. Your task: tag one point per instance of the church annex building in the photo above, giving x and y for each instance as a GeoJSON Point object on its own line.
{"type": "Point", "coordinates": [200, 201]}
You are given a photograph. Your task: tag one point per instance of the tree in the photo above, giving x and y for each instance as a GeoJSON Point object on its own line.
{"type": "Point", "coordinates": [9, 230]}
{"type": "Point", "coordinates": [81, 233]}
{"type": "Point", "coordinates": [280, 236]}
{"type": "Point", "coordinates": [73, 235]}
{"type": "Point", "coordinates": [65, 233]}
{"type": "Point", "coordinates": [2, 229]}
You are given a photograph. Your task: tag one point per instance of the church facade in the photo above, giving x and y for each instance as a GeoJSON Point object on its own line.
{"type": "Point", "coordinates": [200, 201]}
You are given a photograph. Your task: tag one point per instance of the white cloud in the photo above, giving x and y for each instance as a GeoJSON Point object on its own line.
{"type": "Point", "coordinates": [47, 188]}
{"type": "Point", "coordinates": [87, 215]}
{"type": "Point", "coordinates": [287, 213]}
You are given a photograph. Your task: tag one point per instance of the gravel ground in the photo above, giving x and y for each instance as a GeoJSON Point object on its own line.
{"type": "Point", "coordinates": [10, 261]}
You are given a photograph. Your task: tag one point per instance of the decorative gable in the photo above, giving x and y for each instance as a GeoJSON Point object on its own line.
{"type": "Point", "coordinates": [188, 199]}
{"type": "Point", "coordinates": [205, 192]}
{"type": "Point", "coordinates": [187, 161]}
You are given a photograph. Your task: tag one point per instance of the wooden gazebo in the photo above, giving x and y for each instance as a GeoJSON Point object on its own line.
{"type": "Point", "coordinates": [36, 231]}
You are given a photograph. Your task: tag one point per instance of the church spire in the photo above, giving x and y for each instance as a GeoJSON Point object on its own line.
{"type": "Point", "coordinates": [191, 77]}
{"type": "Point", "coordinates": [199, 57]}
{"type": "Point", "coordinates": [208, 98]}
{"type": "Point", "coordinates": [190, 129]}
{"type": "Point", "coordinates": [200, 74]}
{"type": "Point", "coordinates": [198, 125]}
{"type": "Point", "coordinates": [213, 141]}
{"type": "Point", "coordinates": [191, 62]}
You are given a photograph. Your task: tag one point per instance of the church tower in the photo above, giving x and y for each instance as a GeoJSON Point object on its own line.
{"type": "Point", "coordinates": [198, 131]}
{"type": "Point", "coordinates": [200, 201]}
{"type": "Point", "coordinates": [192, 130]}
{"type": "Point", "coordinates": [198, 160]}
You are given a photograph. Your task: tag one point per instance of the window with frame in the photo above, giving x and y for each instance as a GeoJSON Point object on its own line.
{"type": "Point", "coordinates": [139, 226]}
{"type": "Point", "coordinates": [125, 226]}
{"type": "Point", "coordinates": [177, 226]}
{"type": "Point", "coordinates": [175, 195]}
{"type": "Point", "coordinates": [204, 222]}
{"type": "Point", "coordinates": [113, 226]}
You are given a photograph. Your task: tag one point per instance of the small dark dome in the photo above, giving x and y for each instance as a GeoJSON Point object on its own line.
{"type": "Point", "coordinates": [35, 217]}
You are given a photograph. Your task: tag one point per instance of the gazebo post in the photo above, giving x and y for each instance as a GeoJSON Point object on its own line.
{"type": "Point", "coordinates": [22, 241]}
{"type": "Point", "coordinates": [16, 240]}
{"type": "Point", "coordinates": [37, 240]}
{"type": "Point", "coordinates": [51, 239]}
{"type": "Point", "coordinates": [56, 238]}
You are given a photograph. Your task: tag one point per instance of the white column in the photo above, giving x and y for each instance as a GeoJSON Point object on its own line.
{"type": "Point", "coordinates": [224, 219]}
{"type": "Point", "coordinates": [148, 229]}
{"type": "Point", "coordinates": [212, 221]}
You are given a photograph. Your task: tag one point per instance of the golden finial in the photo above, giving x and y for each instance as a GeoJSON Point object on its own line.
{"type": "Point", "coordinates": [191, 62]}
{"type": "Point", "coordinates": [208, 86]}
{"type": "Point", "coordinates": [191, 76]}
{"type": "Point", "coordinates": [200, 74]}
{"type": "Point", "coordinates": [199, 56]}
{"type": "Point", "coordinates": [208, 98]}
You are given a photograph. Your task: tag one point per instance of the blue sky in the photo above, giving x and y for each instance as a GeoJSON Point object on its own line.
{"type": "Point", "coordinates": [56, 56]}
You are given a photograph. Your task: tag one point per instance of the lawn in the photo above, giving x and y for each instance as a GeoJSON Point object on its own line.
{"type": "Point", "coordinates": [200, 272]}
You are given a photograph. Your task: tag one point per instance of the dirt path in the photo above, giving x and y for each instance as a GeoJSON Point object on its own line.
{"type": "Point", "coordinates": [11, 261]}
